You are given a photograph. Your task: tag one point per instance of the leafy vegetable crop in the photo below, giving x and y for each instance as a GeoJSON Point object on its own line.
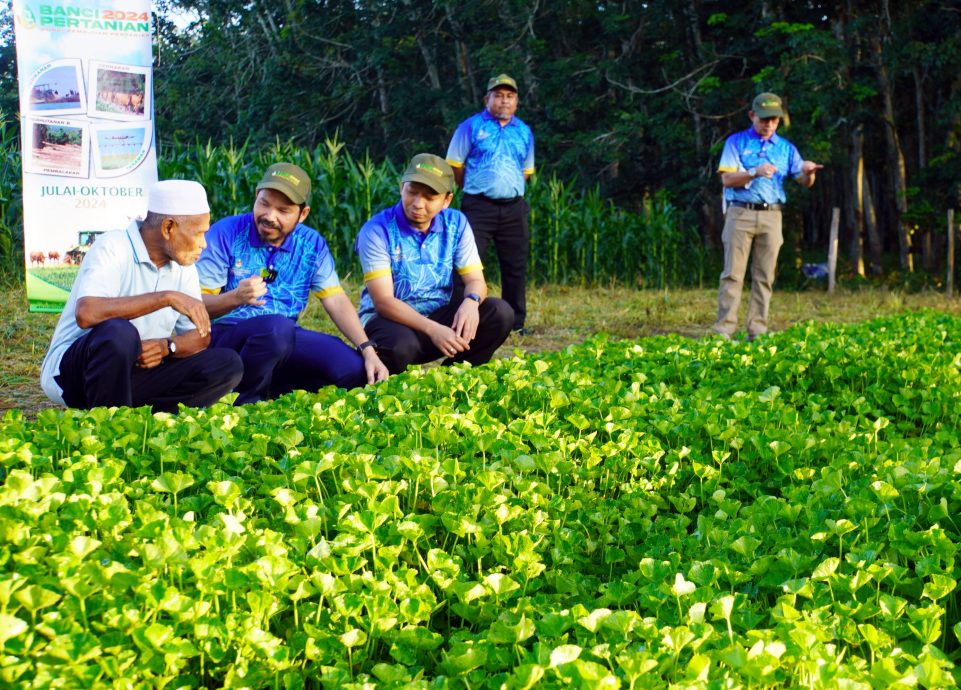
{"type": "Point", "coordinates": [701, 514]}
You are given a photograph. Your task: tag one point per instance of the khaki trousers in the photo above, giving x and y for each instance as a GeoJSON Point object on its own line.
{"type": "Point", "coordinates": [742, 229]}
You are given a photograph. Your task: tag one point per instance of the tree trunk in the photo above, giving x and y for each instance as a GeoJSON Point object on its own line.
{"type": "Point", "coordinates": [384, 100]}
{"type": "Point", "coordinates": [433, 74]}
{"type": "Point", "coordinates": [691, 14]}
{"type": "Point", "coordinates": [871, 225]}
{"type": "Point", "coordinates": [895, 157]}
{"type": "Point", "coordinates": [854, 214]}
{"type": "Point", "coordinates": [919, 107]}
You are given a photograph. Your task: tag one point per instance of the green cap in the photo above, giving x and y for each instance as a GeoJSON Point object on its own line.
{"type": "Point", "coordinates": [501, 80]}
{"type": "Point", "coordinates": [289, 180]}
{"type": "Point", "coordinates": [767, 105]}
{"type": "Point", "coordinates": [432, 171]}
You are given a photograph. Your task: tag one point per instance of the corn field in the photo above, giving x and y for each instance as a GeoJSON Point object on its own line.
{"type": "Point", "coordinates": [11, 203]}
{"type": "Point", "coordinates": [577, 236]}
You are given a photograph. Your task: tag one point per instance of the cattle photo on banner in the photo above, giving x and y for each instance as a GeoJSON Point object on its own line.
{"type": "Point", "coordinates": [86, 120]}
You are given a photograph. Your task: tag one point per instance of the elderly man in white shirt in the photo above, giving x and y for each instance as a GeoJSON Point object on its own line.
{"type": "Point", "coordinates": [134, 330]}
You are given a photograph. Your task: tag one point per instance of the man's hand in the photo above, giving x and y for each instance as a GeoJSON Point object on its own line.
{"type": "Point", "coordinates": [809, 171]}
{"type": "Point", "coordinates": [152, 352]}
{"type": "Point", "coordinates": [446, 340]}
{"type": "Point", "coordinates": [467, 319]}
{"type": "Point", "coordinates": [250, 290]}
{"type": "Point", "coordinates": [376, 371]}
{"type": "Point", "coordinates": [193, 309]}
{"type": "Point", "coordinates": [766, 170]}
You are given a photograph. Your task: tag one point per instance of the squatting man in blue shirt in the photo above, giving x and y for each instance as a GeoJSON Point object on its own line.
{"type": "Point", "coordinates": [409, 253]}
{"type": "Point", "coordinates": [753, 167]}
{"type": "Point", "coordinates": [134, 330]}
{"type": "Point", "coordinates": [257, 274]}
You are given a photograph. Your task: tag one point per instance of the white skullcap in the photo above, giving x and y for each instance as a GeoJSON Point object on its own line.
{"type": "Point", "coordinates": [177, 198]}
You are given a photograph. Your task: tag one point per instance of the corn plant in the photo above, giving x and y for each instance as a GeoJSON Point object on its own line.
{"type": "Point", "coordinates": [577, 236]}
{"type": "Point", "coordinates": [11, 202]}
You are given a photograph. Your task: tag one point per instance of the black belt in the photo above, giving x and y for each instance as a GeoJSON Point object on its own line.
{"type": "Point", "coordinates": [755, 207]}
{"type": "Point", "coordinates": [499, 202]}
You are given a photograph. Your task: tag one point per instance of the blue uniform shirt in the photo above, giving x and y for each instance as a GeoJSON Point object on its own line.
{"type": "Point", "coordinates": [495, 158]}
{"type": "Point", "coordinates": [421, 264]}
{"type": "Point", "coordinates": [235, 251]}
{"type": "Point", "coordinates": [746, 150]}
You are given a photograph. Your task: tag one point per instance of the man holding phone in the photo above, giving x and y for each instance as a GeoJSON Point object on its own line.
{"type": "Point", "coordinates": [257, 273]}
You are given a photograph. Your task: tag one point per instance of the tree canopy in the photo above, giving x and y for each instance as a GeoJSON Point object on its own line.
{"type": "Point", "coordinates": [636, 96]}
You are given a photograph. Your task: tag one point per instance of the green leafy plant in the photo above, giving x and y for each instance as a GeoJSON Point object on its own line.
{"type": "Point", "coordinates": [707, 513]}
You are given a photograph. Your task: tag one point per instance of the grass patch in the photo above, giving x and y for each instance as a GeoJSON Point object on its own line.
{"type": "Point", "coordinates": [558, 316]}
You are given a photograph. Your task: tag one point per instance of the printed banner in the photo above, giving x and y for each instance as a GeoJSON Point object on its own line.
{"type": "Point", "coordinates": [86, 118]}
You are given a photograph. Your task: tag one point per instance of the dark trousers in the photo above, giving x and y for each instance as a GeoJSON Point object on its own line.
{"type": "Point", "coordinates": [398, 345]}
{"type": "Point", "coordinates": [279, 356]}
{"type": "Point", "coordinates": [504, 222]}
{"type": "Point", "coordinates": [99, 369]}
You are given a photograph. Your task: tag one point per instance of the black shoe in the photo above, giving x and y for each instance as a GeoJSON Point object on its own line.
{"type": "Point", "coordinates": [520, 330]}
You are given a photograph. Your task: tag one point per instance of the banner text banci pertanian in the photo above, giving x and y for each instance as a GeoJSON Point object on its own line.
{"type": "Point", "coordinates": [90, 18]}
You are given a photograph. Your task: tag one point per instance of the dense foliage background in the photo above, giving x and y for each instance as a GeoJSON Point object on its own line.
{"type": "Point", "coordinates": [634, 96]}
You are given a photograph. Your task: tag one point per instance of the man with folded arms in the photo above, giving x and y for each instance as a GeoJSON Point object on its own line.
{"type": "Point", "coordinates": [134, 330]}
{"type": "Point", "coordinates": [409, 253]}
{"type": "Point", "coordinates": [754, 165]}
{"type": "Point", "coordinates": [257, 273]}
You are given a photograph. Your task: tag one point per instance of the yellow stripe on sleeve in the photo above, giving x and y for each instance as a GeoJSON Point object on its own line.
{"type": "Point", "coordinates": [470, 269]}
{"type": "Point", "coordinates": [528, 171]}
{"type": "Point", "coordinates": [210, 291]}
{"type": "Point", "coordinates": [378, 273]}
{"type": "Point", "coordinates": [329, 292]}
{"type": "Point", "coordinates": [454, 164]}
{"type": "Point", "coordinates": [726, 169]}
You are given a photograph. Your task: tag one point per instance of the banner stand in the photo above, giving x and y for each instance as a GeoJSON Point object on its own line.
{"type": "Point", "coordinates": [87, 138]}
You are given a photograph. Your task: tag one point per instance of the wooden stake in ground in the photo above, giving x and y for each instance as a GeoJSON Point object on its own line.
{"type": "Point", "coordinates": [949, 283]}
{"type": "Point", "coordinates": [833, 247]}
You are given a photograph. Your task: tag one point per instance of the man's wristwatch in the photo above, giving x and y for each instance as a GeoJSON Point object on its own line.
{"type": "Point", "coordinates": [171, 347]}
{"type": "Point", "coordinates": [474, 296]}
{"type": "Point", "coordinates": [364, 345]}
{"type": "Point", "coordinates": [752, 172]}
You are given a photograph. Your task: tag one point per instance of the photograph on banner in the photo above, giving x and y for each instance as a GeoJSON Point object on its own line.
{"type": "Point", "coordinates": [55, 146]}
{"type": "Point", "coordinates": [87, 140]}
{"type": "Point", "coordinates": [58, 89]}
{"type": "Point", "coordinates": [119, 148]}
{"type": "Point", "coordinates": [119, 92]}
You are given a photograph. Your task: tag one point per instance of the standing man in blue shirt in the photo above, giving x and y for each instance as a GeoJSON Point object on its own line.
{"type": "Point", "coordinates": [754, 165]}
{"type": "Point", "coordinates": [492, 154]}
{"type": "Point", "coordinates": [409, 253]}
{"type": "Point", "coordinates": [257, 273]}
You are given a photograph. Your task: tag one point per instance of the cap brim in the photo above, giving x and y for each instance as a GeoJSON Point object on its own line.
{"type": "Point", "coordinates": [285, 189]}
{"type": "Point", "coordinates": [765, 112]}
{"type": "Point", "coordinates": [428, 181]}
